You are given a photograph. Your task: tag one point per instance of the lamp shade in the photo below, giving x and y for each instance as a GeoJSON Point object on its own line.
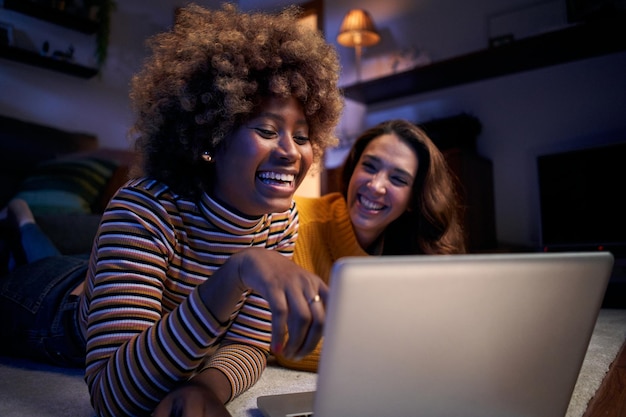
{"type": "Point", "coordinates": [357, 29]}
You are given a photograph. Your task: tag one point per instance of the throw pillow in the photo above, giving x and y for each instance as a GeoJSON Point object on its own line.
{"type": "Point", "coordinates": [68, 185]}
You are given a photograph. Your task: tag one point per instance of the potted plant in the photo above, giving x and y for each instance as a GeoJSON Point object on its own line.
{"type": "Point", "coordinates": [100, 11]}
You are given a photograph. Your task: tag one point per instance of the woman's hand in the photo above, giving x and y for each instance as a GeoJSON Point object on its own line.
{"type": "Point", "coordinates": [295, 295]}
{"type": "Point", "coordinates": [204, 395]}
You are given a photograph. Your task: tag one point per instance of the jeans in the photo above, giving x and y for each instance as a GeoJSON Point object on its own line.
{"type": "Point", "coordinates": [38, 313]}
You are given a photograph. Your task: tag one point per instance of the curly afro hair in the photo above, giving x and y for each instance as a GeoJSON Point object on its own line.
{"type": "Point", "coordinates": [209, 74]}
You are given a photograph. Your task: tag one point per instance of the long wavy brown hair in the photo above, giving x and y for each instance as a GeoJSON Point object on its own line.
{"type": "Point", "coordinates": [434, 225]}
{"type": "Point", "coordinates": [210, 73]}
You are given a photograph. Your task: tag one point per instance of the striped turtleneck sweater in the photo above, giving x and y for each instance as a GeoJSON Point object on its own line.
{"type": "Point", "coordinates": [146, 327]}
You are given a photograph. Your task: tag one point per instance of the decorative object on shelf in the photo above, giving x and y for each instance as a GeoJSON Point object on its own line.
{"type": "Point", "coordinates": [519, 22]}
{"type": "Point", "coordinates": [408, 58]}
{"type": "Point", "coordinates": [64, 55]}
{"type": "Point", "coordinates": [358, 30]}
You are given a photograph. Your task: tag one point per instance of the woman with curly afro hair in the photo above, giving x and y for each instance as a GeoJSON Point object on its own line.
{"type": "Point", "coordinates": [211, 74]}
{"type": "Point", "coordinates": [190, 283]}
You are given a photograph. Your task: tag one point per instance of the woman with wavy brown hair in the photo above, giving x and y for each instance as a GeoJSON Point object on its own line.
{"type": "Point", "coordinates": [432, 222]}
{"type": "Point", "coordinates": [397, 198]}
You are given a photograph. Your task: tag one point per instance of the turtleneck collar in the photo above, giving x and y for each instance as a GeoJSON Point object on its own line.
{"type": "Point", "coordinates": [229, 220]}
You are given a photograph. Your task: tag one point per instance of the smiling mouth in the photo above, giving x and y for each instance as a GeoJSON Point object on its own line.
{"type": "Point", "coordinates": [369, 204]}
{"type": "Point", "coordinates": [276, 178]}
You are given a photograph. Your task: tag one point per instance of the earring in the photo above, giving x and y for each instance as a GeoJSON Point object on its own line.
{"type": "Point", "coordinates": [207, 156]}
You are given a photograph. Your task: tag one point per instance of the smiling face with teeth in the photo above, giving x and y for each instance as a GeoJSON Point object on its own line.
{"type": "Point", "coordinates": [380, 187]}
{"type": "Point", "coordinates": [262, 163]}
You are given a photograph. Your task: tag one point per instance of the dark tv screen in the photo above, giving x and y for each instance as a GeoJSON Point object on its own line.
{"type": "Point", "coordinates": [583, 199]}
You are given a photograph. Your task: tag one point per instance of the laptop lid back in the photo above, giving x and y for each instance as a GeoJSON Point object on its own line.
{"type": "Point", "coordinates": [461, 335]}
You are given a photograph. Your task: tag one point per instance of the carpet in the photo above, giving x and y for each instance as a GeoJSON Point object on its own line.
{"type": "Point", "coordinates": [32, 389]}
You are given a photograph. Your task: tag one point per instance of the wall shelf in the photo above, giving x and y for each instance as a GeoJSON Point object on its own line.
{"type": "Point", "coordinates": [577, 42]}
{"type": "Point", "coordinates": [32, 58]}
{"type": "Point", "coordinates": [52, 15]}
{"type": "Point", "coordinates": [55, 16]}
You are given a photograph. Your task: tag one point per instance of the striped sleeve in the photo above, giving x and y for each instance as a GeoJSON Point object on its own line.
{"type": "Point", "coordinates": [242, 364]}
{"type": "Point", "coordinates": [136, 351]}
{"type": "Point", "coordinates": [251, 332]}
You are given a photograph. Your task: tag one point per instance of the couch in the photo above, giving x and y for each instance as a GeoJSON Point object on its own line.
{"type": "Point", "coordinates": [66, 177]}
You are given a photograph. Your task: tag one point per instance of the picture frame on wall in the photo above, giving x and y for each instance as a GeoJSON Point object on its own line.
{"type": "Point", "coordinates": [313, 14]}
{"type": "Point", "coordinates": [6, 34]}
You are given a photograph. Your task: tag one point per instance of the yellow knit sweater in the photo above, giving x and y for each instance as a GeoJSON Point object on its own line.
{"type": "Point", "coordinates": [325, 235]}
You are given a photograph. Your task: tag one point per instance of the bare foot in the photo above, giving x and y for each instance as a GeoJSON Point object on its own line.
{"type": "Point", "coordinates": [20, 212]}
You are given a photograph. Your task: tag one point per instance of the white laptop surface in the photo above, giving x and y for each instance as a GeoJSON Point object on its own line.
{"type": "Point", "coordinates": [461, 335]}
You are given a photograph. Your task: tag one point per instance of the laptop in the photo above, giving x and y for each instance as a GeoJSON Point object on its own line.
{"type": "Point", "coordinates": [453, 335]}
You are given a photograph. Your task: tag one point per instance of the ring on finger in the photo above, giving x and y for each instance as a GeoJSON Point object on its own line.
{"type": "Point", "coordinates": [315, 299]}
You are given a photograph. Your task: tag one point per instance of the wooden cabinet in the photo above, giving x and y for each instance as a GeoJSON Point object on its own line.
{"type": "Point", "coordinates": [475, 189]}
